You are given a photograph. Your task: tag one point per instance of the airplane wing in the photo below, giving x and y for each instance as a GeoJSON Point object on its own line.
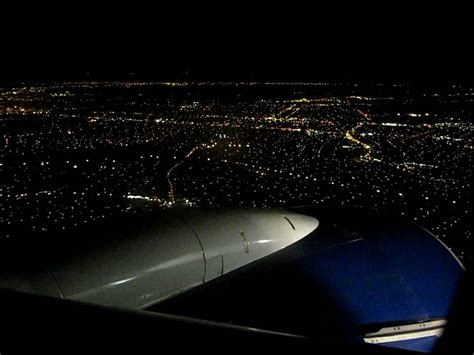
{"type": "Point", "coordinates": [336, 277]}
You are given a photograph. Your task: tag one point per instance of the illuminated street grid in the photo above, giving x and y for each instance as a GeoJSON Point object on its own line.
{"type": "Point", "coordinates": [74, 153]}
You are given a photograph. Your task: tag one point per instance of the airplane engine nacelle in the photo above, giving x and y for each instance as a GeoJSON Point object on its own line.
{"type": "Point", "coordinates": [135, 266]}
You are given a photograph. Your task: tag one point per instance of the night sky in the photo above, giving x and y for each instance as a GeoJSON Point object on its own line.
{"type": "Point", "coordinates": [243, 43]}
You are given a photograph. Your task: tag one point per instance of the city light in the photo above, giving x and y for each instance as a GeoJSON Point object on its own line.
{"type": "Point", "coordinates": [68, 158]}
